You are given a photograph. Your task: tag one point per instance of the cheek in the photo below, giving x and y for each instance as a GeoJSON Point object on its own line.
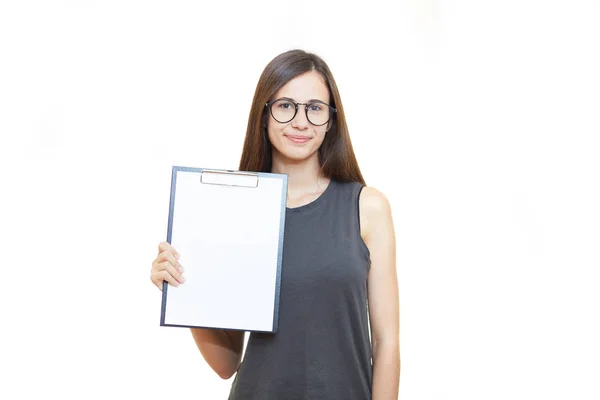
{"type": "Point", "coordinates": [272, 132]}
{"type": "Point", "coordinates": [321, 132]}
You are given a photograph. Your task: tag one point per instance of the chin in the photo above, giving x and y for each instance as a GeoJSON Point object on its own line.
{"type": "Point", "coordinates": [295, 155]}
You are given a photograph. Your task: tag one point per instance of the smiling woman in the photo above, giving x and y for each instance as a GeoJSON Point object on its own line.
{"type": "Point", "coordinates": [338, 272]}
{"type": "Point", "coordinates": [300, 77]}
{"type": "Point", "coordinates": [293, 135]}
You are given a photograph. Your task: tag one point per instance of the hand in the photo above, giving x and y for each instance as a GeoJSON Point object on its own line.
{"type": "Point", "coordinates": [166, 267]}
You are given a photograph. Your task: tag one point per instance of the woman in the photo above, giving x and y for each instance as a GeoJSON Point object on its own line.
{"type": "Point", "coordinates": [339, 254]}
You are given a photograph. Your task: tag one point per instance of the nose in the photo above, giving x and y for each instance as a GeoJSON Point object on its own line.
{"type": "Point", "coordinates": [300, 121]}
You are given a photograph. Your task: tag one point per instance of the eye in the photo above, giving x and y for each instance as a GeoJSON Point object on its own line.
{"type": "Point", "coordinates": [315, 107]}
{"type": "Point", "coordinates": [285, 105]}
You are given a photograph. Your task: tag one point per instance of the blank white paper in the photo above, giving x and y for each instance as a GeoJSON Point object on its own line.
{"type": "Point", "coordinates": [228, 238]}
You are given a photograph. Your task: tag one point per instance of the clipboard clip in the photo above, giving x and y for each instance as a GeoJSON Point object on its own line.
{"type": "Point", "coordinates": [229, 178]}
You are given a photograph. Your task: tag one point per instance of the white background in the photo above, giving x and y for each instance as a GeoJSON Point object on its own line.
{"type": "Point", "coordinates": [479, 120]}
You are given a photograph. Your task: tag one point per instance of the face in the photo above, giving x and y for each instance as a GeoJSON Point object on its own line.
{"type": "Point", "coordinates": [299, 140]}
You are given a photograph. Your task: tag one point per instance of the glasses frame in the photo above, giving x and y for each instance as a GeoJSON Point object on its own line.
{"type": "Point", "coordinates": [332, 110]}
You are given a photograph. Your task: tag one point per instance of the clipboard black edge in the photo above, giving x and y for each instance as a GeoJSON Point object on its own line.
{"type": "Point", "coordinates": [163, 308]}
{"type": "Point", "coordinates": [215, 327]}
{"type": "Point", "coordinates": [284, 179]}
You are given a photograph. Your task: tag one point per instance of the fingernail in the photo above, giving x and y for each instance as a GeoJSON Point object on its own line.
{"type": "Point", "coordinates": [177, 256]}
{"type": "Point", "coordinates": [182, 279]}
{"type": "Point", "coordinates": [180, 269]}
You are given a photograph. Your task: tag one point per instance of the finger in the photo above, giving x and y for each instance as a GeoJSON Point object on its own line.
{"type": "Point", "coordinates": [167, 256]}
{"type": "Point", "coordinates": [156, 282]}
{"type": "Point", "coordinates": [166, 246]}
{"type": "Point", "coordinates": [167, 266]}
{"type": "Point", "coordinates": [167, 277]}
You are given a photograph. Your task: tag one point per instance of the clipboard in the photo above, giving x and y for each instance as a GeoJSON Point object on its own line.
{"type": "Point", "coordinates": [228, 228]}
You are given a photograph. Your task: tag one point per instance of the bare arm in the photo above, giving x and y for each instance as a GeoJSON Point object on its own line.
{"type": "Point", "coordinates": [222, 349]}
{"type": "Point", "coordinates": [378, 232]}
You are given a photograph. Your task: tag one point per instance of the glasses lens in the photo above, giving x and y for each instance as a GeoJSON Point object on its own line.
{"type": "Point", "coordinates": [283, 110]}
{"type": "Point", "coordinates": [318, 113]}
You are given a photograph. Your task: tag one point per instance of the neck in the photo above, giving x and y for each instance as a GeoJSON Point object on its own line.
{"type": "Point", "coordinates": [302, 175]}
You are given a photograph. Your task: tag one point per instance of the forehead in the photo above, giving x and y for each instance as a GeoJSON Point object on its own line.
{"type": "Point", "coordinates": [308, 86]}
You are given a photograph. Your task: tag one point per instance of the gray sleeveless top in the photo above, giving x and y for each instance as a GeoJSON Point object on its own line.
{"type": "Point", "coordinates": [322, 348]}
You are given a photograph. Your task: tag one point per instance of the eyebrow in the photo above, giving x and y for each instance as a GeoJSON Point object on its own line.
{"type": "Point", "coordinates": [309, 101]}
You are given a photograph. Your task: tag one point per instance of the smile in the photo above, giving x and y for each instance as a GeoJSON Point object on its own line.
{"type": "Point", "coordinates": [298, 139]}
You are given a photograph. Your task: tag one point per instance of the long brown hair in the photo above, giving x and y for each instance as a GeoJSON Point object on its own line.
{"type": "Point", "coordinates": [336, 156]}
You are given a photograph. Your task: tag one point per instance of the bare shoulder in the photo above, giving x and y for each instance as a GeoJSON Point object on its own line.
{"type": "Point", "coordinates": [374, 210]}
{"type": "Point", "coordinates": [373, 200]}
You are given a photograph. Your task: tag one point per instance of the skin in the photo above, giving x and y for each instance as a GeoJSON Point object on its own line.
{"type": "Point", "coordinates": [223, 349]}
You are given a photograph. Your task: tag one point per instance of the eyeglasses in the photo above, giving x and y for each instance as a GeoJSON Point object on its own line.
{"type": "Point", "coordinates": [284, 110]}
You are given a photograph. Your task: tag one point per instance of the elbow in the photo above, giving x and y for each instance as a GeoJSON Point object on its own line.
{"type": "Point", "coordinates": [225, 373]}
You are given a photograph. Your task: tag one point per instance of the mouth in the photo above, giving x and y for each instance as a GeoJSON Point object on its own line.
{"type": "Point", "coordinates": [298, 139]}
